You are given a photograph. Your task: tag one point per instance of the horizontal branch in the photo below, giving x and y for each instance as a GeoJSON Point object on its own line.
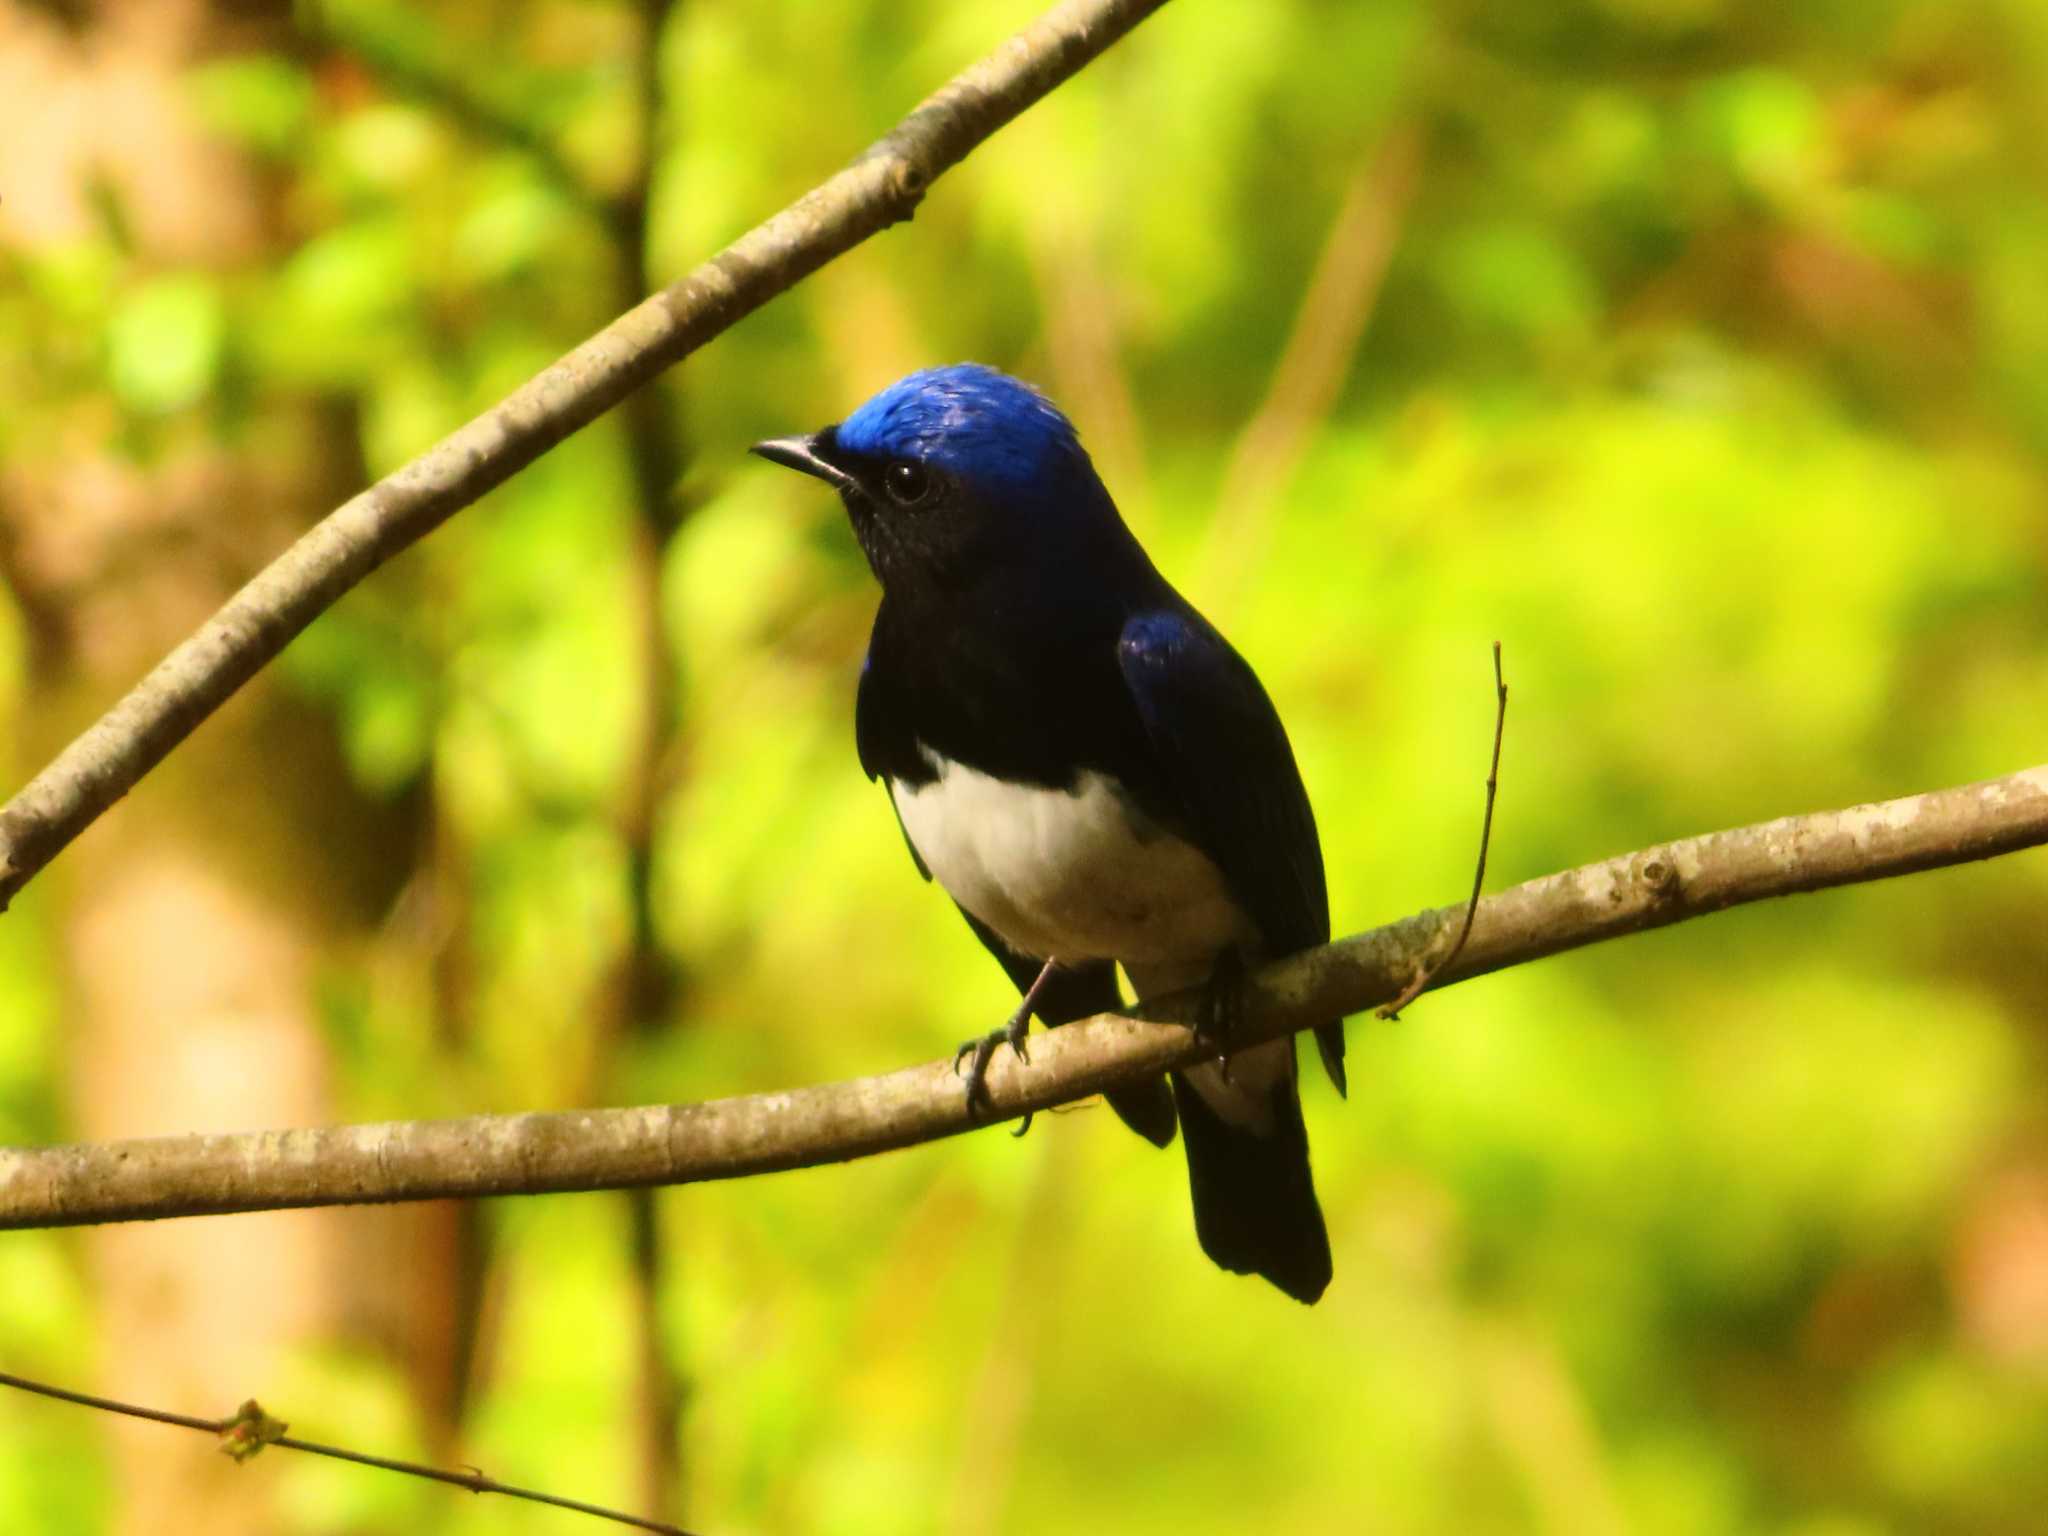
{"type": "Point", "coordinates": [882, 187]}
{"type": "Point", "coordinates": [730, 1138]}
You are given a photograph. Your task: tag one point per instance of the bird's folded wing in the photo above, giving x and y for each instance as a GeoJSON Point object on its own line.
{"type": "Point", "coordinates": [1225, 761]}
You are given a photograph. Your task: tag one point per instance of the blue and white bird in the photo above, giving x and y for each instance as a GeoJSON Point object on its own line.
{"type": "Point", "coordinates": [1086, 766]}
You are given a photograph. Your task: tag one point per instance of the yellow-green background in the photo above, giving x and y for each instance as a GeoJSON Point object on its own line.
{"type": "Point", "coordinates": [1708, 372]}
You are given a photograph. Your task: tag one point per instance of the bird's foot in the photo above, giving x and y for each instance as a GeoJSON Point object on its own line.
{"type": "Point", "coordinates": [982, 1050]}
{"type": "Point", "coordinates": [1222, 1008]}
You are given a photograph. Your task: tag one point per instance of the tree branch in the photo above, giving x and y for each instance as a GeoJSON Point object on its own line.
{"type": "Point", "coordinates": [762, 1133]}
{"type": "Point", "coordinates": [882, 187]}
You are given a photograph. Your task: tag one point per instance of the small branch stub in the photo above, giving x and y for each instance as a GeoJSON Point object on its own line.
{"type": "Point", "coordinates": [244, 1435]}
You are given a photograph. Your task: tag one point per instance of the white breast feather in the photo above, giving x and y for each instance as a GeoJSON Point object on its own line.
{"type": "Point", "coordinates": [1078, 875]}
{"type": "Point", "coordinates": [1070, 875]}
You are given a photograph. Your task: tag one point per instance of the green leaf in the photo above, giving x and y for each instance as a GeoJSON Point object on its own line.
{"type": "Point", "coordinates": [260, 100]}
{"type": "Point", "coordinates": [164, 343]}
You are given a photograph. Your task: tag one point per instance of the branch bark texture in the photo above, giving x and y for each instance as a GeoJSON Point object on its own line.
{"type": "Point", "coordinates": [762, 1133]}
{"type": "Point", "coordinates": [882, 187]}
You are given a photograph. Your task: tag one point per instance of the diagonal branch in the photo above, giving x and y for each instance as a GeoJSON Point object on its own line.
{"type": "Point", "coordinates": [763, 1133]}
{"type": "Point", "coordinates": [882, 187]}
{"type": "Point", "coordinates": [246, 1431]}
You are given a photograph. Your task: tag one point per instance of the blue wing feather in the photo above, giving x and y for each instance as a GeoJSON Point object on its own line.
{"type": "Point", "coordinates": [1228, 766]}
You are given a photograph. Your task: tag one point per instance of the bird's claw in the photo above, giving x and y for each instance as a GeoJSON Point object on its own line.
{"type": "Point", "coordinates": [982, 1048]}
{"type": "Point", "coordinates": [1222, 1008]}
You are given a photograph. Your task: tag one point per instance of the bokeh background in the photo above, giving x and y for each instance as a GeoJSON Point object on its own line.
{"type": "Point", "coordinates": [1697, 350]}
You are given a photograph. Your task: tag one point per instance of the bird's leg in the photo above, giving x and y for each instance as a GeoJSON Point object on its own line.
{"type": "Point", "coordinates": [1222, 1007]}
{"type": "Point", "coordinates": [983, 1047]}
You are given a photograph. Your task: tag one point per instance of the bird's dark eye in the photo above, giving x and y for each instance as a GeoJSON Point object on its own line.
{"type": "Point", "coordinates": [908, 483]}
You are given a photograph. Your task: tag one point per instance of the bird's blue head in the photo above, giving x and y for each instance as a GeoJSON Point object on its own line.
{"type": "Point", "coordinates": [972, 422]}
{"type": "Point", "coordinates": [957, 465]}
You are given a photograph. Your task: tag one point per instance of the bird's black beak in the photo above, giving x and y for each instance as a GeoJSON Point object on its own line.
{"type": "Point", "coordinates": [806, 456]}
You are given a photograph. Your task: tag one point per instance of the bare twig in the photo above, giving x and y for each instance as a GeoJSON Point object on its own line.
{"type": "Point", "coordinates": [233, 1433]}
{"type": "Point", "coordinates": [730, 1138]}
{"type": "Point", "coordinates": [882, 187]}
{"type": "Point", "coordinates": [1424, 975]}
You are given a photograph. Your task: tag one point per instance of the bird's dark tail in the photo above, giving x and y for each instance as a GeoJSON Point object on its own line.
{"type": "Point", "coordinates": [1255, 1202]}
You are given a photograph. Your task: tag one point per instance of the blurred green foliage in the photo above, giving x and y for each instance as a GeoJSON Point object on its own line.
{"type": "Point", "coordinates": [1706, 373]}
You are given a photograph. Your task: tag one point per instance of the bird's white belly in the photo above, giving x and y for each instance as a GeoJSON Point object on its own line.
{"type": "Point", "coordinates": [1070, 875]}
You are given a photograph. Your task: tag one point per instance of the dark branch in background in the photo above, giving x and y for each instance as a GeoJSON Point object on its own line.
{"type": "Point", "coordinates": [729, 1138]}
{"type": "Point", "coordinates": [246, 1431]}
{"type": "Point", "coordinates": [638, 994]}
{"type": "Point", "coordinates": [882, 187]}
{"type": "Point", "coordinates": [645, 981]}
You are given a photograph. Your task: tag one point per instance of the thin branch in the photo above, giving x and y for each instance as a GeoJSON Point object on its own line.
{"type": "Point", "coordinates": [236, 1438]}
{"type": "Point", "coordinates": [882, 187]}
{"type": "Point", "coordinates": [764, 1133]}
{"type": "Point", "coordinates": [1426, 975]}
